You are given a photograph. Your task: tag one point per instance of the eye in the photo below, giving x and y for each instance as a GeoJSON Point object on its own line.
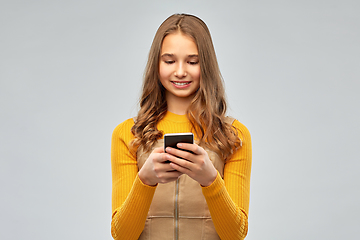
{"type": "Point", "coordinates": [169, 61]}
{"type": "Point", "coordinates": [193, 62]}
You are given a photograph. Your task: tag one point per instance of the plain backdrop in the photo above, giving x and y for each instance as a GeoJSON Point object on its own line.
{"type": "Point", "coordinates": [71, 71]}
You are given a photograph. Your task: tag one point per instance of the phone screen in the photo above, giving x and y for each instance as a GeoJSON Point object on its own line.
{"type": "Point", "coordinates": [172, 139]}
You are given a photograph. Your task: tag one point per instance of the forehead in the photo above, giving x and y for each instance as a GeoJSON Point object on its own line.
{"type": "Point", "coordinates": [179, 43]}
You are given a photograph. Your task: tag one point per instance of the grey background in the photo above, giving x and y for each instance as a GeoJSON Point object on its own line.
{"type": "Point", "coordinates": [71, 71]}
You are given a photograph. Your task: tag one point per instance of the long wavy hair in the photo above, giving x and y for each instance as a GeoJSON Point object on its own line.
{"type": "Point", "coordinates": [206, 112]}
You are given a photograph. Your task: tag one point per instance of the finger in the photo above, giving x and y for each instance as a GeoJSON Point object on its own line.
{"type": "Point", "coordinates": [179, 162]}
{"type": "Point", "coordinates": [167, 167]}
{"type": "Point", "coordinates": [196, 149]}
{"type": "Point", "coordinates": [158, 150]}
{"type": "Point", "coordinates": [166, 177]}
{"type": "Point", "coordinates": [180, 168]}
{"type": "Point", "coordinates": [178, 153]}
{"type": "Point", "coordinates": [163, 158]}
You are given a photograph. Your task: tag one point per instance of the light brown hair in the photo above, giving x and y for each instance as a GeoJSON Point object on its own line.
{"type": "Point", "coordinates": [206, 112]}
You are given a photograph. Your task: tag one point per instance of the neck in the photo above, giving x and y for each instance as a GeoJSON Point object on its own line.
{"type": "Point", "coordinates": [178, 105]}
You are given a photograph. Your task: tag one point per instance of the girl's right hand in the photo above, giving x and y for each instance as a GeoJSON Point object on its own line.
{"type": "Point", "coordinates": [156, 170]}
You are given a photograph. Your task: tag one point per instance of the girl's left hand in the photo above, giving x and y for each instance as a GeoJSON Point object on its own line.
{"type": "Point", "coordinates": [196, 165]}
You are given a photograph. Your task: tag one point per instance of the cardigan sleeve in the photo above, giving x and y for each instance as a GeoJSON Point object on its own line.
{"type": "Point", "coordinates": [131, 198]}
{"type": "Point", "coordinates": [228, 198]}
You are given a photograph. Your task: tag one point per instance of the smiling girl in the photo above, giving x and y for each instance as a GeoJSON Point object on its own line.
{"type": "Point", "coordinates": [202, 194]}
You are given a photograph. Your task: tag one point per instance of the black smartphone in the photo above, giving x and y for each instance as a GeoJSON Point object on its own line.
{"type": "Point", "coordinates": [172, 139]}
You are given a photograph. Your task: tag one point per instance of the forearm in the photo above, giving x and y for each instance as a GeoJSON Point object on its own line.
{"type": "Point", "coordinates": [131, 198]}
{"type": "Point", "coordinates": [230, 221]}
{"type": "Point", "coordinates": [129, 219]}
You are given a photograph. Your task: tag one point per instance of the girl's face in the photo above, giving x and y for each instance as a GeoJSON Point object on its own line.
{"type": "Point", "coordinates": [179, 67]}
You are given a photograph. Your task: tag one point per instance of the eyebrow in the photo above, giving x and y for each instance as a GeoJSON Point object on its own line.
{"type": "Point", "coordinates": [172, 55]}
{"type": "Point", "coordinates": [167, 55]}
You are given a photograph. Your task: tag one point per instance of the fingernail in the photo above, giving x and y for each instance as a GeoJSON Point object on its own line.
{"type": "Point", "coordinates": [168, 149]}
{"type": "Point", "coordinates": [179, 145]}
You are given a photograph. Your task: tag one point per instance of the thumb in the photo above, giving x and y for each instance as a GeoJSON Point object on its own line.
{"type": "Point", "coordinates": [158, 150]}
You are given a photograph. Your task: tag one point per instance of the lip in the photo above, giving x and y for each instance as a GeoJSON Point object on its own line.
{"type": "Point", "coordinates": [187, 84]}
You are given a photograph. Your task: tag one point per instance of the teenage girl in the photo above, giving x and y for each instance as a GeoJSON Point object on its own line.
{"type": "Point", "coordinates": [177, 194]}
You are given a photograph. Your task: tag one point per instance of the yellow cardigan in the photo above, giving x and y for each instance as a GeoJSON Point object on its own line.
{"type": "Point", "coordinates": [227, 199]}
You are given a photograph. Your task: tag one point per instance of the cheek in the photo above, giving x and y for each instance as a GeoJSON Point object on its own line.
{"type": "Point", "coordinates": [164, 71]}
{"type": "Point", "coordinates": [196, 73]}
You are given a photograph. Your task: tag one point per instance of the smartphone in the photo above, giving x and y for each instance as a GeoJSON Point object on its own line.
{"type": "Point", "coordinates": [172, 139]}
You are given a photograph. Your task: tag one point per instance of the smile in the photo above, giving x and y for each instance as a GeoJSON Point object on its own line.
{"type": "Point", "coordinates": [181, 83]}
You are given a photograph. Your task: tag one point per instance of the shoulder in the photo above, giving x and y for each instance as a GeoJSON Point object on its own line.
{"type": "Point", "coordinates": [123, 128]}
{"type": "Point", "coordinates": [243, 131]}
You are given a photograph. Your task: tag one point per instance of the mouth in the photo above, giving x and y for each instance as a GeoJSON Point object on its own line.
{"type": "Point", "coordinates": [181, 84]}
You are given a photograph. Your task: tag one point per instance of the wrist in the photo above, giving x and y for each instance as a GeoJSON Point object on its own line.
{"type": "Point", "coordinates": [210, 180]}
{"type": "Point", "coordinates": [144, 179]}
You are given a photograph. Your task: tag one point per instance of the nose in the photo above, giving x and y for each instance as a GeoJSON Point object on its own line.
{"type": "Point", "coordinates": [180, 71]}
